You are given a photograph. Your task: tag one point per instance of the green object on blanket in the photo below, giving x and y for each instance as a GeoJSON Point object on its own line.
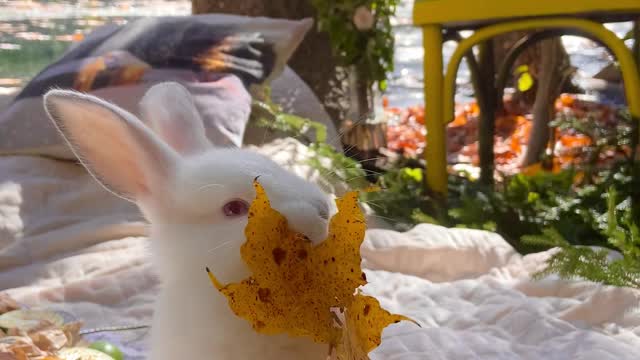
{"type": "Point", "coordinates": [107, 348]}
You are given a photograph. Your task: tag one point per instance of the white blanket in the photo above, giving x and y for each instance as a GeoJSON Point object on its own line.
{"type": "Point", "coordinates": [474, 298]}
{"type": "Point", "coordinates": [67, 244]}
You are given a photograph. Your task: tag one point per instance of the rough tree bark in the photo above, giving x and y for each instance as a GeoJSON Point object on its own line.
{"type": "Point", "coordinates": [487, 101]}
{"type": "Point", "coordinates": [555, 70]}
{"type": "Point", "coordinates": [550, 66]}
{"type": "Point", "coordinates": [530, 57]}
{"type": "Point", "coordinates": [312, 61]}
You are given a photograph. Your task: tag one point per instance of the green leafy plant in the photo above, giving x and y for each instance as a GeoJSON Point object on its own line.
{"type": "Point", "coordinates": [571, 201]}
{"type": "Point", "coordinates": [618, 139]}
{"type": "Point", "coordinates": [597, 264]}
{"type": "Point", "coordinates": [335, 166]}
{"type": "Point", "coordinates": [402, 199]}
{"type": "Point", "coordinates": [332, 164]}
{"type": "Point", "coordinates": [270, 115]}
{"type": "Point", "coordinates": [526, 204]}
{"type": "Point", "coordinates": [585, 220]}
{"type": "Point", "coordinates": [361, 34]}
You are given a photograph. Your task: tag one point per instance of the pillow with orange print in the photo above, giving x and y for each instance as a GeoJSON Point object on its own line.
{"type": "Point", "coordinates": [220, 59]}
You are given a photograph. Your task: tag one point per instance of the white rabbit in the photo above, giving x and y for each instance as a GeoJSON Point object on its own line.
{"type": "Point", "coordinates": [196, 198]}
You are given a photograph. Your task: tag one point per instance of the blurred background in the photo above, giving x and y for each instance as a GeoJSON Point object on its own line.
{"type": "Point", "coordinates": [35, 33]}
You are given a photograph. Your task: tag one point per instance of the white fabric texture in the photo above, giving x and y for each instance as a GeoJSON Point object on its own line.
{"type": "Point", "coordinates": [473, 296]}
{"type": "Point", "coordinates": [469, 290]}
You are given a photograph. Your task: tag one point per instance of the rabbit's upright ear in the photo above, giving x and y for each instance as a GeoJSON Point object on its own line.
{"type": "Point", "coordinates": [121, 152]}
{"type": "Point", "coordinates": [169, 110]}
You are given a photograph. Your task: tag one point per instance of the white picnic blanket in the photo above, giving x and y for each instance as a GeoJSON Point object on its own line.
{"type": "Point", "coordinates": [67, 244]}
{"type": "Point", "coordinates": [474, 298]}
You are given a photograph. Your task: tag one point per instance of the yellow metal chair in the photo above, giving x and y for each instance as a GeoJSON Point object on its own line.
{"type": "Point", "coordinates": [489, 18]}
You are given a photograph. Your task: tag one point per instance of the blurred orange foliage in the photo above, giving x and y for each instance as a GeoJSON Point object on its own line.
{"type": "Point", "coordinates": [406, 133]}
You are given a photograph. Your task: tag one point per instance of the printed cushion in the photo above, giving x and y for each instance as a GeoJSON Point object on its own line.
{"type": "Point", "coordinates": [218, 58]}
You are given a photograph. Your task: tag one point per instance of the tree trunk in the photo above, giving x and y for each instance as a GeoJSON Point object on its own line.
{"type": "Point", "coordinates": [487, 103]}
{"type": "Point", "coordinates": [530, 57]}
{"type": "Point", "coordinates": [554, 71]}
{"type": "Point", "coordinates": [313, 61]}
{"type": "Point", "coordinates": [549, 65]}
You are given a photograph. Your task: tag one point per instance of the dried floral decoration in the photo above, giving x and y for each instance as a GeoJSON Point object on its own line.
{"type": "Point", "coordinates": [35, 334]}
{"type": "Point", "coordinates": [305, 290]}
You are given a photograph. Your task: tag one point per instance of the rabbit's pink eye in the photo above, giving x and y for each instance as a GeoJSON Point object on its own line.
{"type": "Point", "coordinates": [235, 208]}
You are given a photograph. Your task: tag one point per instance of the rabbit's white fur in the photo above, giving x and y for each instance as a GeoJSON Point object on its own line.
{"type": "Point", "coordinates": [181, 183]}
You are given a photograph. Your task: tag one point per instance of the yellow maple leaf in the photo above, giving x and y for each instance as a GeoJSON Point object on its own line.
{"type": "Point", "coordinates": [296, 285]}
{"type": "Point", "coordinates": [362, 324]}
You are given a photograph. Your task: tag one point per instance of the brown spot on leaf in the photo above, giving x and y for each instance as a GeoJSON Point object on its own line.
{"type": "Point", "coordinates": [264, 294]}
{"type": "Point", "coordinates": [279, 255]}
{"type": "Point", "coordinates": [292, 280]}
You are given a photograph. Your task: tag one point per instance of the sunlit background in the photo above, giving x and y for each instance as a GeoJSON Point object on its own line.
{"type": "Point", "coordinates": [35, 33]}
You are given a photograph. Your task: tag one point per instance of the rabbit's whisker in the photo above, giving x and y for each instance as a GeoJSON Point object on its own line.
{"type": "Point", "coordinates": [222, 245]}
{"type": "Point", "coordinates": [207, 186]}
{"type": "Point", "coordinates": [384, 218]}
{"type": "Point", "coordinates": [344, 130]}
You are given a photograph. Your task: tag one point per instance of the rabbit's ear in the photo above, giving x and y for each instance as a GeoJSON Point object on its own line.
{"type": "Point", "coordinates": [122, 153]}
{"type": "Point", "coordinates": [169, 110]}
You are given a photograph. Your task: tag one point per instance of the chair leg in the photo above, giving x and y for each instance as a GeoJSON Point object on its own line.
{"type": "Point", "coordinates": [436, 151]}
{"type": "Point", "coordinates": [487, 102]}
{"type": "Point", "coordinates": [631, 75]}
{"type": "Point", "coordinates": [635, 140]}
{"type": "Point", "coordinates": [636, 41]}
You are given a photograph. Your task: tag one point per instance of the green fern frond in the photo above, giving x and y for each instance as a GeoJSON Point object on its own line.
{"type": "Point", "coordinates": [550, 237]}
